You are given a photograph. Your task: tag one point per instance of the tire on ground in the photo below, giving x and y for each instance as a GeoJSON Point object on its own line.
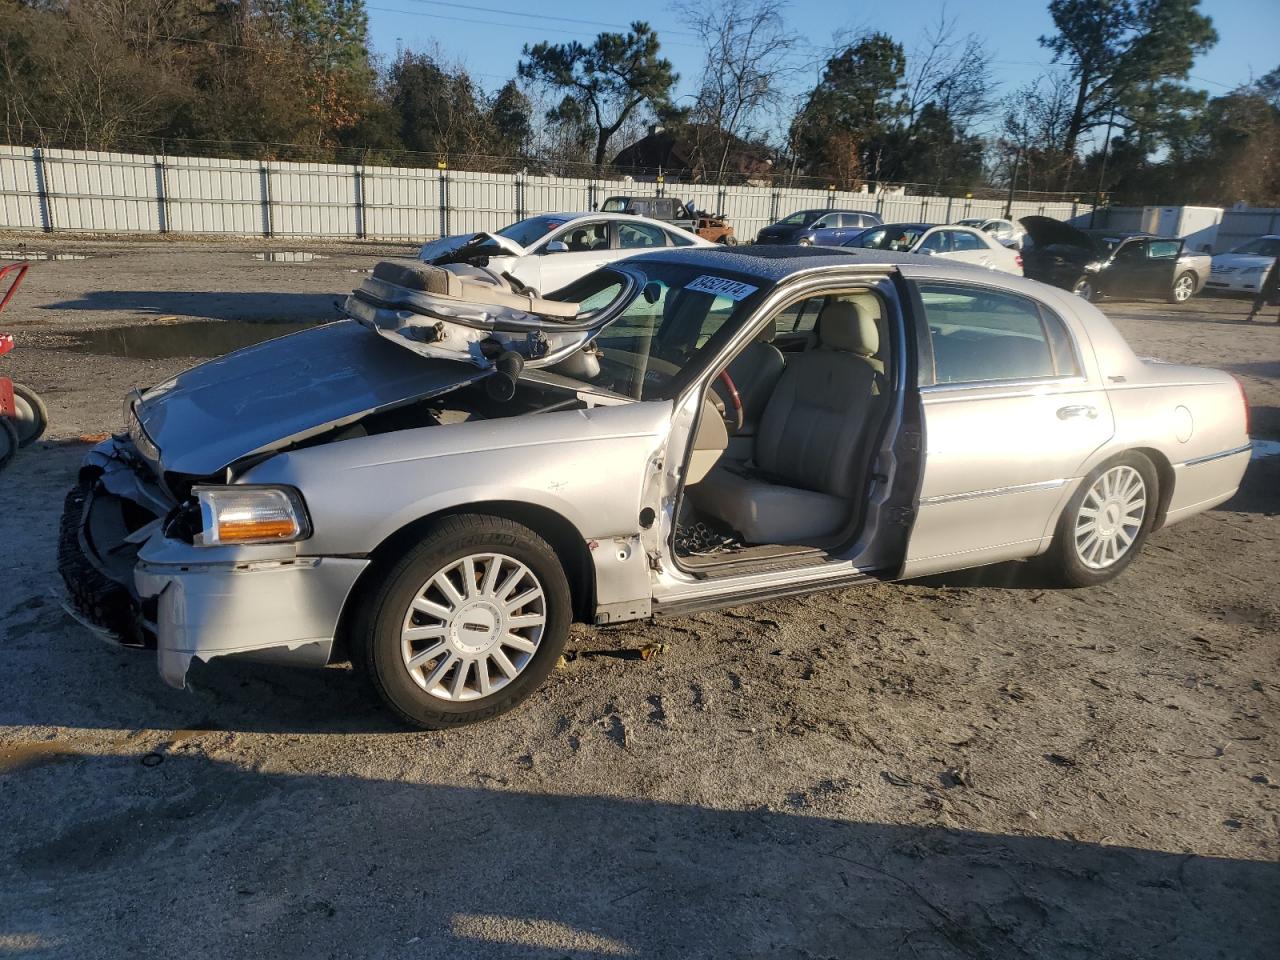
{"type": "Point", "coordinates": [381, 611]}
{"type": "Point", "coordinates": [1062, 562]}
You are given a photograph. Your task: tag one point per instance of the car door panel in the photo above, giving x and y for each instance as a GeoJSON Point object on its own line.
{"type": "Point", "coordinates": [559, 269]}
{"type": "Point", "coordinates": [999, 453]}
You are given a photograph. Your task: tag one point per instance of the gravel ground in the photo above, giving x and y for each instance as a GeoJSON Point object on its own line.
{"type": "Point", "coordinates": [969, 766]}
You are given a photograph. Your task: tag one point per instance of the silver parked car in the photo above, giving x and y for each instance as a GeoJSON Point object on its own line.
{"type": "Point", "coordinates": [437, 487]}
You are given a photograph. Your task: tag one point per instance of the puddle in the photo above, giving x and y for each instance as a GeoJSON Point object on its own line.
{"type": "Point", "coordinates": [288, 256]}
{"type": "Point", "coordinates": [25, 754]}
{"type": "Point", "coordinates": [1265, 448]}
{"type": "Point", "coordinates": [40, 255]}
{"type": "Point", "coordinates": [186, 338]}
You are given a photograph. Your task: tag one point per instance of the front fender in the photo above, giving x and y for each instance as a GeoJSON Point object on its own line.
{"type": "Point", "coordinates": [588, 466]}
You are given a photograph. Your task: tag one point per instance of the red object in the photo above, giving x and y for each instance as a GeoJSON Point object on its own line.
{"type": "Point", "coordinates": [1018, 260]}
{"type": "Point", "coordinates": [6, 343]}
{"type": "Point", "coordinates": [19, 270]}
{"type": "Point", "coordinates": [8, 408]}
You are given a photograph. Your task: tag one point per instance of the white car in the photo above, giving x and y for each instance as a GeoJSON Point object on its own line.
{"type": "Point", "coordinates": [552, 250]}
{"type": "Point", "coordinates": [1241, 270]}
{"type": "Point", "coordinates": [951, 241]}
{"type": "Point", "coordinates": [1006, 231]}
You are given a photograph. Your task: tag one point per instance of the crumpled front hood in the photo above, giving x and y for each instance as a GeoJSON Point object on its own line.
{"type": "Point", "coordinates": [282, 391]}
{"type": "Point", "coordinates": [435, 249]}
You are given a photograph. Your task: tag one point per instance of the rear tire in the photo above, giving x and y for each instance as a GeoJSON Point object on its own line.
{"type": "Point", "coordinates": [1183, 289]}
{"type": "Point", "coordinates": [33, 415]}
{"type": "Point", "coordinates": [1105, 523]}
{"type": "Point", "coordinates": [439, 639]}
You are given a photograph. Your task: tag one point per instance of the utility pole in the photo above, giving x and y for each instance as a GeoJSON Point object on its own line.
{"type": "Point", "coordinates": [1102, 172]}
{"type": "Point", "coordinates": [1013, 182]}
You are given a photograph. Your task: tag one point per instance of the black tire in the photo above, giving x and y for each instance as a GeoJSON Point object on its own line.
{"type": "Point", "coordinates": [33, 415]}
{"type": "Point", "coordinates": [1173, 290]}
{"type": "Point", "coordinates": [8, 442]}
{"type": "Point", "coordinates": [380, 617]}
{"type": "Point", "coordinates": [1063, 561]}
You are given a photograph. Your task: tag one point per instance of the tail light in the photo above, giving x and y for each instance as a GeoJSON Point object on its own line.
{"type": "Point", "coordinates": [1017, 258]}
{"type": "Point", "coordinates": [1244, 402]}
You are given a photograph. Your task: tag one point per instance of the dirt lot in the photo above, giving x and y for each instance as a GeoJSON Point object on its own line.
{"type": "Point", "coordinates": [972, 766]}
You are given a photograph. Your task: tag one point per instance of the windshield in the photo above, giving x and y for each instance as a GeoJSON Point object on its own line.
{"type": "Point", "coordinates": [802, 218]}
{"type": "Point", "coordinates": [525, 232]}
{"type": "Point", "coordinates": [678, 316]}
{"type": "Point", "coordinates": [971, 222]}
{"type": "Point", "coordinates": [900, 237]}
{"type": "Point", "coordinates": [1263, 246]}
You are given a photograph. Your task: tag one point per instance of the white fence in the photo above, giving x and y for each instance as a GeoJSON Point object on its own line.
{"type": "Point", "coordinates": [84, 191]}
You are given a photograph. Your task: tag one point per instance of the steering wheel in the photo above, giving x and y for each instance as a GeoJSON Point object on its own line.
{"type": "Point", "coordinates": [734, 398]}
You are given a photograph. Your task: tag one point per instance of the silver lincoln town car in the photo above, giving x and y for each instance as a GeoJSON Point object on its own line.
{"type": "Point", "coordinates": [437, 486]}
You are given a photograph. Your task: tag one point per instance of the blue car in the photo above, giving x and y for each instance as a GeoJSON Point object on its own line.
{"type": "Point", "coordinates": [823, 228]}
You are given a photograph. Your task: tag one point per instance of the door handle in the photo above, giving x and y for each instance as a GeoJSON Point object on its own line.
{"type": "Point", "coordinates": [1078, 410]}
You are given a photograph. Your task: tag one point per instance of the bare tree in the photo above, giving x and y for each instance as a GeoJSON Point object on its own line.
{"type": "Point", "coordinates": [1034, 129]}
{"type": "Point", "coordinates": [747, 47]}
{"type": "Point", "coordinates": [951, 72]}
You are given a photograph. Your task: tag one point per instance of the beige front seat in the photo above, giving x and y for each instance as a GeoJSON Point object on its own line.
{"type": "Point", "coordinates": [805, 470]}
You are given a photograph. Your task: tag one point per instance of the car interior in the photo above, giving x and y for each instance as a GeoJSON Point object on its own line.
{"type": "Point", "coordinates": [591, 236]}
{"type": "Point", "coordinates": [781, 456]}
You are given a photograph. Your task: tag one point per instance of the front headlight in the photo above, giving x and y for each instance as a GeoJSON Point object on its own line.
{"type": "Point", "coordinates": [247, 514]}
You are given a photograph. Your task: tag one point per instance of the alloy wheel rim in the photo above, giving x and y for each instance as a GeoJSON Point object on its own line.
{"type": "Point", "coordinates": [1110, 517]}
{"type": "Point", "coordinates": [1182, 289]}
{"type": "Point", "coordinates": [1083, 289]}
{"type": "Point", "coordinates": [473, 627]}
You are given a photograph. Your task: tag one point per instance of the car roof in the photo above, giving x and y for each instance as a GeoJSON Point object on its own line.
{"type": "Point", "coordinates": [775, 263]}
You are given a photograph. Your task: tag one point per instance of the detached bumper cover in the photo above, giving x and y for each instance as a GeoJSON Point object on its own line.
{"type": "Point", "coordinates": [276, 610]}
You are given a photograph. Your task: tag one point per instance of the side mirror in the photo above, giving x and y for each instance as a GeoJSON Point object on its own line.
{"type": "Point", "coordinates": [557, 246]}
{"type": "Point", "coordinates": [927, 251]}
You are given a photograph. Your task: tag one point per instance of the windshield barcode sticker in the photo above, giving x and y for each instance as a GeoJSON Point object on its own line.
{"type": "Point", "coordinates": [722, 287]}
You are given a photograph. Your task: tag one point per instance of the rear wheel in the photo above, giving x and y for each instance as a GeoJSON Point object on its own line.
{"type": "Point", "coordinates": [33, 416]}
{"type": "Point", "coordinates": [466, 625]}
{"type": "Point", "coordinates": [1183, 288]}
{"type": "Point", "coordinates": [1106, 522]}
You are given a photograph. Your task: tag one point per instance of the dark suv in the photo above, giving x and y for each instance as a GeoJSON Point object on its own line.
{"type": "Point", "coordinates": [829, 228]}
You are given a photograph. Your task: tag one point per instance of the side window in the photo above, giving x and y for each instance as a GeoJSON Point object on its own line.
{"type": "Point", "coordinates": [680, 238]}
{"type": "Point", "coordinates": [825, 223]}
{"type": "Point", "coordinates": [962, 240]}
{"type": "Point", "coordinates": [583, 237]}
{"type": "Point", "coordinates": [850, 220]}
{"type": "Point", "coordinates": [1163, 250]}
{"type": "Point", "coordinates": [800, 317]}
{"type": "Point", "coordinates": [937, 241]}
{"type": "Point", "coordinates": [640, 236]}
{"type": "Point", "coordinates": [980, 334]}
{"type": "Point", "coordinates": [1133, 250]}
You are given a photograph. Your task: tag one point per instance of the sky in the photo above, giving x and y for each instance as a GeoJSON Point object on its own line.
{"type": "Point", "coordinates": [486, 35]}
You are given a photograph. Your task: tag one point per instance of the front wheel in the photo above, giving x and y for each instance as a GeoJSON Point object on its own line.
{"type": "Point", "coordinates": [466, 625]}
{"type": "Point", "coordinates": [1106, 522]}
{"type": "Point", "coordinates": [1183, 288]}
{"type": "Point", "coordinates": [1083, 288]}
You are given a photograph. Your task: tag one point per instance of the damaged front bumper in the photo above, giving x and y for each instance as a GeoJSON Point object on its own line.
{"type": "Point", "coordinates": [130, 582]}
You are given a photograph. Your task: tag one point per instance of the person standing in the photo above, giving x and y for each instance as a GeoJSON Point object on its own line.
{"type": "Point", "coordinates": [1268, 291]}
